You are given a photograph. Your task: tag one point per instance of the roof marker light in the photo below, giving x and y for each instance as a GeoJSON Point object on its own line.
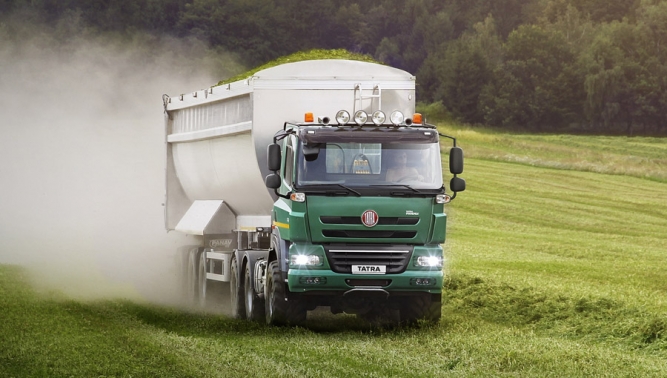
{"type": "Point", "coordinates": [308, 117]}
{"type": "Point", "coordinates": [417, 118]}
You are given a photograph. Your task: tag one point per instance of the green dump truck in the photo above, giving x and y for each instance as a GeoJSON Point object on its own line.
{"type": "Point", "coordinates": [311, 184]}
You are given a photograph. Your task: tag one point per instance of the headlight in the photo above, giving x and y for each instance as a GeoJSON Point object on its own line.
{"type": "Point", "coordinates": [396, 118]}
{"type": "Point", "coordinates": [305, 260]}
{"type": "Point", "coordinates": [360, 117]}
{"type": "Point", "coordinates": [378, 118]}
{"type": "Point", "coordinates": [443, 198]}
{"type": "Point", "coordinates": [342, 117]}
{"type": "Point", "coordinates": [430, 261]}
{"type": "Point", "coordinates": [298, 197]}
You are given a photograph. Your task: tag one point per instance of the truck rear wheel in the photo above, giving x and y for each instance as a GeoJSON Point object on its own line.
{"type": "Point", "coordinates": [236, 291]}
{"type": "Point", "coordinates": [254, 304]}
{"type": "Point", "coordinates": [277, 310]}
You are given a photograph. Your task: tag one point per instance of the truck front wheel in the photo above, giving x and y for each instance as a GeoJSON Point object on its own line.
{"type": "Point", "coordinates": [428, 308]}
{"type": "Point", "coordinates": [277, 310]}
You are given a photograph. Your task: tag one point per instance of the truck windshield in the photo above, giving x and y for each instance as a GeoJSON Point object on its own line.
{"type": "Point", "coordinates": [415, 165]}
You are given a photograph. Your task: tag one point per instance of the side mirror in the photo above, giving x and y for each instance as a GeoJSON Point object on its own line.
{"type": "Point", "coordinates": [456, 160]}
{"type": "Point", "coordinates": [272, 181]}
{"type": "Point", "coordinates": [457, 184]}
{"type": "Point", "coordinates": [273, 157]}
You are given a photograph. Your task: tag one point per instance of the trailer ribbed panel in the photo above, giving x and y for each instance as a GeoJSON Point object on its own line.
{"type": "Point", "coordinates": [217, 138]}
{"type": "Point", "coordinates": [211, 115]}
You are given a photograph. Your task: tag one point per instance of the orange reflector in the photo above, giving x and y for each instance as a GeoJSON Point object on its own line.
{"type": "Point", "coordinates": [309, 117]}
{"type": "Point", "coordinates": [417, 118]}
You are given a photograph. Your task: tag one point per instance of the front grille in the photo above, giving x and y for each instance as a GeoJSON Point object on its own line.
{"type": "Point", "coordinates": [395, 258]}
{"type": "Point", "coordinates": [383, 221]}
{"type": "Point", "coordinates": [368, 234]}
{"type": "Point", "coordinates": [352, 231]}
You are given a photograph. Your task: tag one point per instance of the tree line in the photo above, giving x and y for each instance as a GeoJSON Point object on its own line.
{"type": "Point", "coordinates": [593, 66]}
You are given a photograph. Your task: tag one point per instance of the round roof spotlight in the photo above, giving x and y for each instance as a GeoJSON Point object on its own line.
{"type": "Point", "coordinates": [408, 121]}
{"type": "Point", "coordinates": [342, 117]}
{"type": "Point", "coordinates": [378, 117]}
{"type": "Point", "coordinates": [396, 118]}
{"type": "Point", "coordinates": [360, 117]}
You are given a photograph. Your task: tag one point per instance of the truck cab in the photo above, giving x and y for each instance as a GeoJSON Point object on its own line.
{"type": "Point", "coordinates": [359, 220]}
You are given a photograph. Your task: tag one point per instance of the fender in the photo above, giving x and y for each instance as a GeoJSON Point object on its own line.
{"type": "Point", "coordinates": [281, 252]}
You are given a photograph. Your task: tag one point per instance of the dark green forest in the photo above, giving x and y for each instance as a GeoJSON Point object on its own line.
{"type": "Point", "coordinates": [577, 66]}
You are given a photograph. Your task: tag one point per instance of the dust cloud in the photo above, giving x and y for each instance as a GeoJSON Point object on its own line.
{"type": "Point", "coordinates": [82, 159]}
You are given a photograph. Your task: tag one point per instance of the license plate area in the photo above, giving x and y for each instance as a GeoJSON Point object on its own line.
{"type": "Point", "coordinates": [369, 269]}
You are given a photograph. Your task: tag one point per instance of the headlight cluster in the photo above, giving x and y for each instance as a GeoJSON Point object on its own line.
{"type": "Point", "coordinates": [429, 261]}
{"type": "Point", "coordinates": [305, 260]}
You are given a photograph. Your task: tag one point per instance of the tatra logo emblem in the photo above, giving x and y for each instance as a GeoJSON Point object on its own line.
{"type": "Point", "coordinates": [369, 218]}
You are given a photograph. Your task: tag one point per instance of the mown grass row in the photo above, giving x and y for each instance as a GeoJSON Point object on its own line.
{"type": "Point", "coordinates": [558, 249]}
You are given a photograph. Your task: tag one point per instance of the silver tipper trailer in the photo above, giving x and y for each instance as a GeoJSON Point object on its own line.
{"type": "Point", "coordinates": [216, 150]}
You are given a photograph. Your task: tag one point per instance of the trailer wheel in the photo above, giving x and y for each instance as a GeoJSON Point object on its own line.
{"type": "Point", "coordinates": [277, 310]}
{"type": "Point", "coordinates": [424, 308]}
{"type": "Point", "coordinates": [191, 279]}
{"type": "Point", "coordinates": [236, 291]}
{"type": "Point", "coordinates": [254, 304]}
{"type": "Point", "coordinates": [202, 282]}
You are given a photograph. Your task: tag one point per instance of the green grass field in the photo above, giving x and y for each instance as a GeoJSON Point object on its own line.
{"type": "Point", "coordinates": [557, 266]}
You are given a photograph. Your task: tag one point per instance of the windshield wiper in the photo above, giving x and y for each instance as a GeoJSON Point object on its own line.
{"type": "Point", "coordinates": [350, 190]}
{"type": "Point", "coordinates": [401, 185]}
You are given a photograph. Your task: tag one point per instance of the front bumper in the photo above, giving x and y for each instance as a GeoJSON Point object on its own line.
{"type": "Point", "coordinates": [305, 280]}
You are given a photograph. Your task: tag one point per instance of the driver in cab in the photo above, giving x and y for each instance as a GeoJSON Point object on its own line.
{"type": "Point", "coordinates": [400, 170]}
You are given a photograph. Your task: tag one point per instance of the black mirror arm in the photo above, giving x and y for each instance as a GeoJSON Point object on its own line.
{"type": "Point", "coordinates": [448, 136]}
{"type": "Point", "coordinates": [282, 134]}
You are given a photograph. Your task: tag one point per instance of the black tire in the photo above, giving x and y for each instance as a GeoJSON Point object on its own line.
{"type": "Point", "coordinates": [277, 310]}
{"type": "Point", "coordinates": [424, 308]}
{"type": "Point", "coordinates": [236, 291]}
{"type": "Point", "coordinates": [254, 304]}
{"type": "Point", "coordinates": [202, 296]}
{"type": "Point", "coordinates": [192, 277]}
